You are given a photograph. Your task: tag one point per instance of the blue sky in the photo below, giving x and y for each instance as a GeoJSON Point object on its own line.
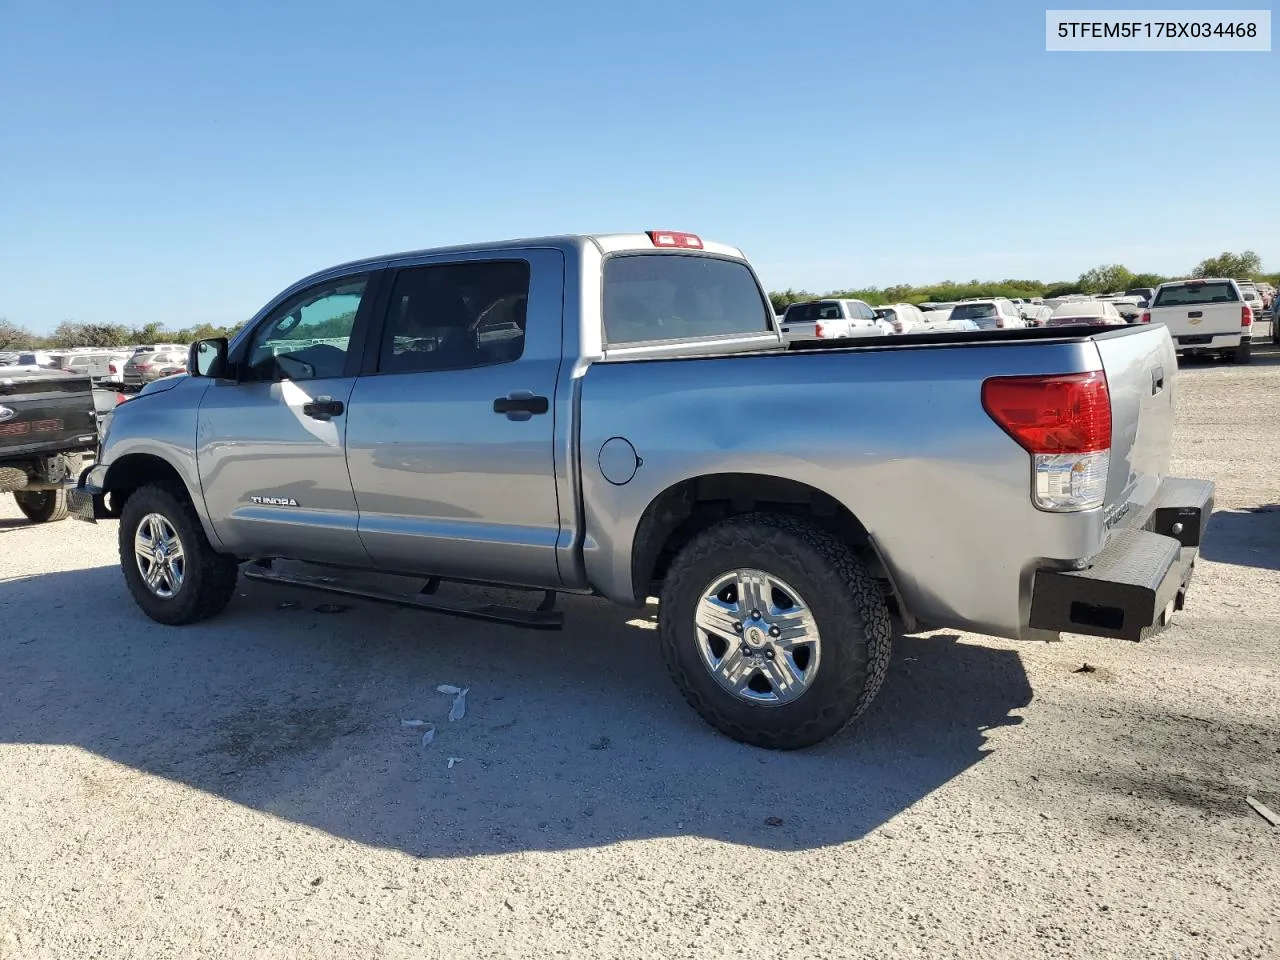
{"type": "Point", "coordinates": [181, 163]}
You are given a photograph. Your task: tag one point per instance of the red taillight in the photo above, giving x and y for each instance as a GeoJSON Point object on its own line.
{"type": "Point", "coordinates": [1068, 413]}
{"type": "Point", "coordinates": [817, 331]}
{"type": "Point", "coordinates": [120, 398]}
{"type": "Point", "coordinates": [144, 366]}
{"type": "Point", "coordinates": [1146, 316]}
{"type": "Point", "coordinates": [669, 238]}
{"type": "Point", "coordinates": [1246, 316]}
{"type": "Point", "coordinates": [113, 368]}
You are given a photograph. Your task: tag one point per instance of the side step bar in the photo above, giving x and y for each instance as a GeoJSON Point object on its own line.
{"type": "Point", "coordinates": [543, 618]}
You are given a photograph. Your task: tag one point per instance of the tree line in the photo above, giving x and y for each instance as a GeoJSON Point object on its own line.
{"type": "Point", "coordinates": [70, 333]}
{"type": "Point", "coordinates": [1107, 278]}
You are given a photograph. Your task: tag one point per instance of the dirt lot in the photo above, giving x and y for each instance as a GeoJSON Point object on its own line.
{"type": "Point", "coordinates": [245, 788]}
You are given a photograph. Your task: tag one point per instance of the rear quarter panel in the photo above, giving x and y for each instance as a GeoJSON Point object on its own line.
{"type": "Point", "coordinates": [897, 434]}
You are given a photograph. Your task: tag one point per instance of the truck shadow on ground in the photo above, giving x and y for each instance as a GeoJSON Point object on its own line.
{"type": "Point", "coordinates": [570, 740]}
{"type": "Point", "coordinates": [1246, 538]}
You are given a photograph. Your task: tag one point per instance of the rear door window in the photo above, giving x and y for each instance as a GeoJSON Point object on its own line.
{"type": "Point", "coordinates": [666, 296]}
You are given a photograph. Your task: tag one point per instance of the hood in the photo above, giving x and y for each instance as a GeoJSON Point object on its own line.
{"type": "Point", "coordinates": [163, 384]}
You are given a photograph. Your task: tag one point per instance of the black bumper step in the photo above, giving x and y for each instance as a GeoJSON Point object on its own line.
{"type": "Point", "coordinates": [1139, 578]}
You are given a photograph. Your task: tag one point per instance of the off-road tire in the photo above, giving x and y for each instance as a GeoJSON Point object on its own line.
{"type": "Point", "coordinates": [847, 604]}
{"type": "Point", "coordinates": [42, 506]}
{"type": "Point", "coordinates": [209, 577]}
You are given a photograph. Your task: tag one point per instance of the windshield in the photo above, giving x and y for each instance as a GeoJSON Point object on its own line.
{"type": "Point", "coordinates": [663, 296]}
{"type": "Point", "coordinates": [1193, 294]}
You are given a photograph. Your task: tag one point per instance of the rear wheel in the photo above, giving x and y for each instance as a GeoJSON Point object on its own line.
{"type": "Point", "coordinates": [773, 631]}
{"type": "Point", "coordinates": [1242, 353]}
{"type": "Point", "coordinates": [173, 573]}
{"type": "Point", "coordinates": [42, 506]}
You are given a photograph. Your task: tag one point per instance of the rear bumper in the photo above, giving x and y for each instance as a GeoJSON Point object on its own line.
{"type": "Point", "coordinates": [1211, 341]}
{"type": "Point", "coordinates": [1139, 579]}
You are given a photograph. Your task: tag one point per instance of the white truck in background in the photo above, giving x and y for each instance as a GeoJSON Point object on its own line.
{"type": "Point", "coordinates": [1204, 316]}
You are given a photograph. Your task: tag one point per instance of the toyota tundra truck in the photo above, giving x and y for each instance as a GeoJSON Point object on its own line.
{"type": "Point", "coordinates": [619, 416]}
{"type": "Point", "coordinates": [1205, 316]}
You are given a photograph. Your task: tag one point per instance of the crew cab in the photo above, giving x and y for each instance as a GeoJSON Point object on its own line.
{"type": "Point", "coordinates": [1205, 316]}
{"type": "Point", "coordinates": [619, 416]}
{"type": "Point", "coordinates": [48, 426]}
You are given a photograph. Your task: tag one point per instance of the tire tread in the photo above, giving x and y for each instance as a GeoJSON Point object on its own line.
{"type": "Point", "coordinates": [783, 533]}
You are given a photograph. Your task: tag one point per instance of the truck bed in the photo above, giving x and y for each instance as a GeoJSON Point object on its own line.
{"type": "Point", "coordinates": [893, 429]}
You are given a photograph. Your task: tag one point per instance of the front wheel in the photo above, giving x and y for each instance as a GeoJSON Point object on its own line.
{"type": "Point", "coordinates": [173, 573]}
{"type": "Point", "coordinates": [42, 506]}
{"type": "Point", "coordinates": [773, 630]}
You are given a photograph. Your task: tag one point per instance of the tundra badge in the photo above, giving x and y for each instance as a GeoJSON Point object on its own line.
{"type": "Point", "coordinates": [276, 501]}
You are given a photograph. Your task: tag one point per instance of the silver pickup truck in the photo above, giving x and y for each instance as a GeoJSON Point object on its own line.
{"type": "Point", "coordinates": [618, 416]}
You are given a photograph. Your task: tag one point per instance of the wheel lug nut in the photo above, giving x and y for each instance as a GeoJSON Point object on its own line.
{"type": "Point", "coordinates": [746, 651]}
{"type": "Point", "coordinates": [755, 614]}
{"type": "Point", "coordinates": [737, 628]}
{"type": "Point", "coordinates": [775, 632]}
{"type": "Point", "coordinates": [768, 654]}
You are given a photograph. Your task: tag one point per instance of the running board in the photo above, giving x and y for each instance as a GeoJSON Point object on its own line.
{"type": "Point", "coordinates": [543, 618]}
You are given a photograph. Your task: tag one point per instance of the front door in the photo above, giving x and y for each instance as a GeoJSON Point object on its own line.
{"type": "Point", "coordinates": [271, 444]}
{"type": "Point", "coordinates": [451, 440]}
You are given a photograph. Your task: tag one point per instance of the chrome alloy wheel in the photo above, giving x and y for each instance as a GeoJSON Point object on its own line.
{"type": "Point", "coordinates": [159, 554]}
{"type": "Point", "coordinates": [757, 637]}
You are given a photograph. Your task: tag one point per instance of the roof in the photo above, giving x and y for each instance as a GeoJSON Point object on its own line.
{"type": "Point", "coordinates": [605, 242]}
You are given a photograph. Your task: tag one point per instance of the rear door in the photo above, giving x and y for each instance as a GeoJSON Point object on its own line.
{"type": "Point", "coordinates": [271, 445]}
{"type": "Point", "coordinates": [450, 436]}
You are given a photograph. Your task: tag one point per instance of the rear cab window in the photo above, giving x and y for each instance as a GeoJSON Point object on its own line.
{"type": "Point", "coordinates": [973, 311]}
{"type": "Point", "coordinates": [1194, 294]}
{"type": "Point", "coordinates": [652, 297]}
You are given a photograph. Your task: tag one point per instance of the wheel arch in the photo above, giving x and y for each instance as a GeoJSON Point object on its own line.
{"type": "Point", "coordinates": [686, 508]}
{"type": "Point", "coordinates": [135, 470]}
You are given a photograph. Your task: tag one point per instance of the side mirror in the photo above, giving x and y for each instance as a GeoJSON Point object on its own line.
{"type": "Point", "coordinates": [208, 358]}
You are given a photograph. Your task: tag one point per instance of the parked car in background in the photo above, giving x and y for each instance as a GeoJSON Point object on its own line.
{"type": "Point", "coordinates": [998, 314]}
{"type": "Point", "coordinates": [908, 318]}
{"type": "Point", "coordinates": [1204, 316]}
{"type": "Point", "coordinates": [1252, 296]}
{"type": "Point", "coordinates": [48, 430]}
{"type": "Point", "coordinates": [1086, 313]}
{"type": "Point", "coordinates": [150, 362]}
{"type": "Point", "coordinates": [833, 319]}
{"type": "Point", "coordinates": [1036, 314]}
{"type": "Point", "coordinates": [1144, 294]}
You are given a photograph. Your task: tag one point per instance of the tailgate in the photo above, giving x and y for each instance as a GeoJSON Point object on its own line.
{"type": "Point", "coordinates": [1200, 320]}
{"type": "Point", "coordinates": [46, 413]}
{"type": "Point", "coordinates": [1141, 369]}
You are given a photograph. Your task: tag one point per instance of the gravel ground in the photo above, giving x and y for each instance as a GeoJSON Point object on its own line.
{"type": "Point", "coordinates": [244, 787]}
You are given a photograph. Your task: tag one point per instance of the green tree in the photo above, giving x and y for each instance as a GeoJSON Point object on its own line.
{"type": "Point", "coordinates": [1240, 266]}
{"type": "Point", "coordinates": [14, 337]}
{"type": "Point", "coordinates": [781, 301]}
{"type": "Point", "coordinates": [1106, 279]}
{"type": "Point", "coordinates": [69, 333]}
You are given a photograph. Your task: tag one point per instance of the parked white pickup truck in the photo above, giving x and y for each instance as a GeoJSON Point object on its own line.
{"type": "Point", "coordinates": [1204, 316]}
